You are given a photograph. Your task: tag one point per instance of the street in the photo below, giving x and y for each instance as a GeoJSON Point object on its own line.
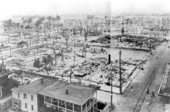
{"type": "Point", "coordinates": [135, 97]}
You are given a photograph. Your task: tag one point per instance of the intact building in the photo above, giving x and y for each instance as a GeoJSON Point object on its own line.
{"type": "Point", "coordinates": [26, 97]}
{"type": "Point", "coordinates": [54, 95]}
{"type": "Point", "coordinates": [68, 97]}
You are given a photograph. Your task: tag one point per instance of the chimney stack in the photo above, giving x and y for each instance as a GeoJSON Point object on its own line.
{"type": "Point", "coordinates": [42, 80]}
{"type": "Point", "coordinates": [109, 59]}
{"type": "Point", "coordinates": [66, 90]}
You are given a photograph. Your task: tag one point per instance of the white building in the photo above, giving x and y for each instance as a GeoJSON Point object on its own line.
{"type": "Point", "coordinates": [46, 94]}
{"type": "Point", "coordinates": [26, 97]}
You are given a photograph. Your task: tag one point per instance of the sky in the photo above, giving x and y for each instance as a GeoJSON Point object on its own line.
{"type": "Point", "coordinates": [52, 7]}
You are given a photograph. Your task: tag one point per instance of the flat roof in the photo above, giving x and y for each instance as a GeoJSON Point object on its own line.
{"type": "Point", "coordinates": [77, 94]}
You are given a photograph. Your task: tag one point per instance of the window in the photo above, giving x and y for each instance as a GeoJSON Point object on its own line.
{"type": "Point", "coordinates": [32, 97]}
{"type": "Point", "coordinates": [54, 101]}
{"type": "Point", "coordinates": [69, 105]}
{"type": "Point", "coordinates": [61, 103]}
{"type": "Point", "coordinates": [77, 108]}
{"type": "Point", "coordinates": [84, 106]}
{"type": "Point", "coordinates": [25, 95]}
{"type": "Point", "coordinates": [18, 95]}
{"type": "Point", "coordinates": [48, 99]}
{"type": "Point", "coordinates": [88, 102]}
{"type": "Point", "coordinates": [32, 107]}
{"type": "Point", "coordinates": [25, 105]}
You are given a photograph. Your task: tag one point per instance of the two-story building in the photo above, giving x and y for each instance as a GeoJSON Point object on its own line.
{"type": "Point", "coordinates": [26, 97]}
{"type": "Point", "coordinates": [55, 95]}
{"type": "Point", "coordinates": [69, 97]}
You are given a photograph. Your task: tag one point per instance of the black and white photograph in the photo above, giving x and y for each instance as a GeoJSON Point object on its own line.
{"type": "Point", "coordinates": [84, 56]}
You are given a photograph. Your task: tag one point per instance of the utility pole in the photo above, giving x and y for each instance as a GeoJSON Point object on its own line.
{"type": "Point", "coordinates": [70, 75]}
{"type": "Point", "coordinates": [150, 44]}
{"type": "Point", "coordinates": [111, 85]}
{"type": "Point", "coordinates": [158, 28]}
{"type": "Point", "coordinates": [123, 29]}
{"type": "Point", "coordinates": [120, 75]}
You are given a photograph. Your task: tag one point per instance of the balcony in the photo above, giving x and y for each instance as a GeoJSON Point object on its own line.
{"type": "Point", "coordinates": [48, 99]}
{"type": "Point", "coordinates": [55, 102]}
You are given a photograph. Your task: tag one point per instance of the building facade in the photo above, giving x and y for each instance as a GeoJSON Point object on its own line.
{"type": "Point", "coordinates": [55, 95]}
{"type": "Point", "coordinates": [69, 97]}
{"type": "Point", "coordinates": [26, 97]}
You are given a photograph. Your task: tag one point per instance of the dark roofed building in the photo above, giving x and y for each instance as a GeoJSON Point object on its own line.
{"type": "Point", "coordinates": [5, 91]}
{"type": "Point", "coordinates": [37, 86]}
{"type": "Point", "coordinates": [59, 96]}
{"type": "Point", "coordinates": [70, 97]}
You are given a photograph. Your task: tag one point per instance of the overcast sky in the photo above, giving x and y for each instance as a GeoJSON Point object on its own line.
{"type": "Point", "coordinates": [28, 7]}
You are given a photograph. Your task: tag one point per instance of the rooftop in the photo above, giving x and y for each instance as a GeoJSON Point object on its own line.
{"type": "Point", "coordinates": [36, 86]}
{"type": "Point", "coordinates": [77, 94]}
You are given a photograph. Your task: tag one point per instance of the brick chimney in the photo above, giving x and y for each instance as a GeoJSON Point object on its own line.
{"type": "Point", "coordinates": [109, 59]}
{"type": "Point", "coordinates": [42, 80]}
{"type": "Point", "coordinates": [66, 90]}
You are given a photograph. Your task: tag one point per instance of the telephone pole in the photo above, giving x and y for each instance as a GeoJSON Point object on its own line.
{"type": "Point", "coordinates": [71, 72]}
{"type": "Point", "coordinates": [150, 44]}
{"type": "Point", "coordinates": [120, 75]}
{"type": "Point", "coordinates": [158, 27]}
{"type": "Point", "coordinates": [111, 85]}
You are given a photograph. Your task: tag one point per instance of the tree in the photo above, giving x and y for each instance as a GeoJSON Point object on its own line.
{"type": "Point", "coordinates": [81, 30]}
{"type": "Point", "coordinates": [55, 56]}
{"type": "Point", "coordinates": [66, 36]}
{"type": "Point", "coordinates": [58, 18]}
{"type": "Point", "coordinates": [50, 59]}
{"type": "Point", "coordinates": [47, 63]}
{"type": "Point", "coordinates": [74, 32]}
{"type": "Point", "coordinates": [27, 27]}
{"type": "Point", "coordinates": [49, 21]}
{"type": "Point", "coordinates": [39, 21]}
{"type": "Point", "coordinates": [122, 31]}
{"type": "Point", "coordinates": [44, 60]}
{"type": "Point", "coordinates": [7, 24]}
{"type": "Point", "coordinates": [21, 44]}
{"type": "Point", "coordinates": [37, 25]}
{"type": "Point", "coordinates": [37, 63]}
{"type": "Point", "coordinates": [29, 21]}
{"type": "Point", "coordinates": [21, 26]}
{"type": "Point", "coordinates": [18, 24]}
